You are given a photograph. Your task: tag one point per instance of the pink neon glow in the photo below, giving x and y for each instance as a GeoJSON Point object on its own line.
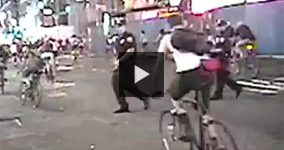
{"type": "Point", "coordinates": [201, 6]}
{"type": "Point", "coordinates": [149, 14]}
{"type": "Point", "coordinates": [254, 1]}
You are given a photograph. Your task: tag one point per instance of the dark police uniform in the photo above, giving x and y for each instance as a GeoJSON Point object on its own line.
{"type": "Point", "coordinates": [120, 85]}
{"type": "Point", "coordinates": [222, 73]}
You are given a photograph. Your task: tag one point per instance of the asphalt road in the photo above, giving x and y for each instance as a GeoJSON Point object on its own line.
{"type": "Point", "coordinates": [84, 116]}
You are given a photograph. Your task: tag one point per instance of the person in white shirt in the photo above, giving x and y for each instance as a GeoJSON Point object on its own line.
{"type": "Point", "coordinates": [188, 66]}
{"type": "Point", "coordinates": [189, 74]}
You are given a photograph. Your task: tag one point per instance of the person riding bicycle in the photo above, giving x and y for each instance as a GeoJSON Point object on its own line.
{"type": "Point", "coordinates": [33, 64]}
{"type": "Point", "coordinates": [244, 33]}
{"type": "Point", "coordinates": [245, 42]}
{"type": "Point", "coordinates": [188, 49]}
{"type": "Point", "coordinates": [75, 41]}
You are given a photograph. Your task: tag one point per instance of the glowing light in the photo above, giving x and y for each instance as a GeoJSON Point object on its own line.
{"type": "Point", "coordinates": [68, 9]}
{"type": "Point", "coordinates": [40, 5]}
{"type": "Point", "coordinates": [149, 14]}
{"type": "Point", "coordinates": [87, 5]}
{"type": "Point", "coordinates": [175, 2]}
{"type": "Point", "coordinates": [249, 47]}
{"type": "Point", "coordinates": [14, 22]}
{"type": "Point", "coordinates": [47, 11]}
{"type": "Point", "coordinates": [167, 14]}
{"type": "Point", "coordinates": [106, 23]}
{"type": "Point", "coordinates": [254, 1]}
{"type": "Point", "coordinates": [3, 16]}
{"type": "Point", "coordinates": [201, 6]}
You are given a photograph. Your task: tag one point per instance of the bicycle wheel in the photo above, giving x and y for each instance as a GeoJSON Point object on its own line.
{"type": "Point", "coordinates": [170, 131]}
{"type": "Point", "coordinates": [23, 93]}
{"type": "Point", "coordinates": [36, 96]}
{"type": "Point", "coordinates": [224, 139]}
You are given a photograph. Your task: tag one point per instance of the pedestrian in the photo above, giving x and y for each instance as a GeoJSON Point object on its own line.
{"type": "Point", "coordinates": [143, 40]}
{"type": "Point", "coordinates": [127, 48]}
{"type": "Point", "coordinates": [160, 36]}
{"type": "Point", "coordinates": [13, 51]}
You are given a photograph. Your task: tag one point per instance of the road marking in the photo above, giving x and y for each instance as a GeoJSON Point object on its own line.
{"type": "Point", "coordinates": [19, 135]}
{"type": "Point", "coordinates": [57, 95]}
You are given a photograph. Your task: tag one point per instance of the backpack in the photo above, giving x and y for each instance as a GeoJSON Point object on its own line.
{"type": "Point", "coordinates": [187, 40]}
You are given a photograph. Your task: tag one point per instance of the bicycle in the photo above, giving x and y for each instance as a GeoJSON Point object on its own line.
{"type": "Point", "coordinates": [246, 59]}
{"type": "Point", "coordinates": [210, 130]}
{"type": "Point", "coordinates": [31, 90]}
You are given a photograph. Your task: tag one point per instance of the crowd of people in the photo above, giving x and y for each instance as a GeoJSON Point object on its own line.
{"type": "Point", "coordinates": [29, 57]}
{"type": "Point", "coordinates": [191, 51]}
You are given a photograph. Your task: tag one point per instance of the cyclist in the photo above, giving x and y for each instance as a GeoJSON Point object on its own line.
{"type": "Point", "coordinates": [190, 75]}
{"type": "Point", "coordinates": [243, 32]}
{"type": "Point", "coordinates": [32, 65]}
{"type": "Point", "coordinates": [244, 36]}
{"type": "Point", "coordinates": [188, 66]}
{"type": "Point", "coordinates": [75, 41]}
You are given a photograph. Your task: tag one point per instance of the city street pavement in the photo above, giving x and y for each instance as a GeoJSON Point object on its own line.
{"type": "Point", "coordinates": [84, 116]}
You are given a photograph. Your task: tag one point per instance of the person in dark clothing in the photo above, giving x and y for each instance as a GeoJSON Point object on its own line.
{"type": "Point", "coordinates": [126, 49]}
{"type": "Point", "coordinates": [244, 32]}
{"type": "Point", "coordinates": [224, 45]}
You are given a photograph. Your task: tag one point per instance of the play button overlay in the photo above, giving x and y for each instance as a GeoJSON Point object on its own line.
{"type": "Point", "coordinates": [139, 74]}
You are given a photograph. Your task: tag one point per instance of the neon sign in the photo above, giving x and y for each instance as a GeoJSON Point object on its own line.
{"type": "Point", "coordinates": [167, 12]}
{"type": "Point", "coordinates": [201, 6]}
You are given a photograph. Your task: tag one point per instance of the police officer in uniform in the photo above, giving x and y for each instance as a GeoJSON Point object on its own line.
{"type": "Point", "coordinates": [223, 43]}
{"type": "Point", "coordinates": [126, 47]}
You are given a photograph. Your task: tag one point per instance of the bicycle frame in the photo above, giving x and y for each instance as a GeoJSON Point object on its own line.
{"type": "Point", "coordinates": [33, 83]}
{"type": "Point", "coordinates": [204, 120]}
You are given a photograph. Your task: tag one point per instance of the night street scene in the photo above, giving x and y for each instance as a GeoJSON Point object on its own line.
{"type": "Point", "coordinates": [141, 74]}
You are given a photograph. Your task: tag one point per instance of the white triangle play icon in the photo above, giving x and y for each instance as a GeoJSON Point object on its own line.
{"type": "Point", "coordinates": [139, 74]}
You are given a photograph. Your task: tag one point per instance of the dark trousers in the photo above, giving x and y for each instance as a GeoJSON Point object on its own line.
{"type": "Point", "coordinates": [223, 78]}
{"type": "Point", "coordinates": [193, 80]}
{"type": "Point", "coordinates": [121, 87]}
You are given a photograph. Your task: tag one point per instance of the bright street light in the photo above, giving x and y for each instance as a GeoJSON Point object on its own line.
{"type": "Point", "coordinates": [40, 4]}
{"type": "Point", "coordinates": [47, 11]}
{"type": "Point", "coordinates": [3, 15]}
{"type": "Point", "coordinates": [68, 9]}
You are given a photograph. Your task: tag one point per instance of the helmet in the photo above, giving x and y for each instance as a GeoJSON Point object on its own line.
{"type": "Point", "coordinates": [121, 22]}
{"type": "Point", "coordinates": [221, 23]}
{"type": "Point", "coordinates": [239, 23]}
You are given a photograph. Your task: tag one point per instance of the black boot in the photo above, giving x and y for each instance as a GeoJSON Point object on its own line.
{"type": "Point", "coordinates": [123, 109]}
{"type": "Point", "coordinates": [216, 96]}
{"type": "Point", "coordinates": [238, 92]}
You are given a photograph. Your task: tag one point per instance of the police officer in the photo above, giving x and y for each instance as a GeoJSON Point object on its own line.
{"type": "Point", "coordinates": [223, 43]}
{"type": "Point", "coordinates": [126, 47]}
